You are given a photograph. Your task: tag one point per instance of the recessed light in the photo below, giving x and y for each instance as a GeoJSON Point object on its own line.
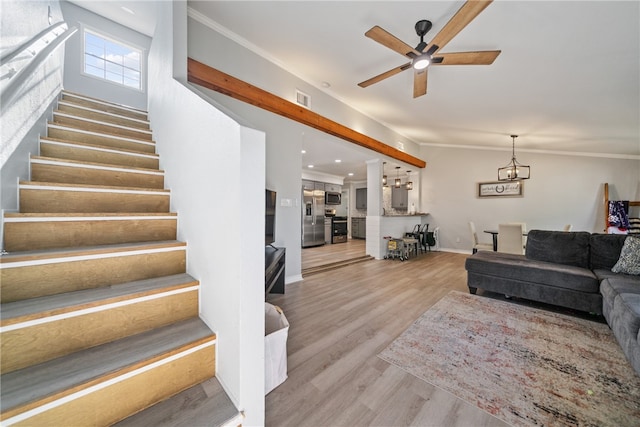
{"type": "Point", "coordinates": [338, 160]}
{"type": "Point", "coordinates": [350, 173]}
{"type": "Point", "coordinates": [310, 166]}
{"type": "Point", "coordinates": [126, 9]}
{"type": "Point", "coordinates": [326, 84]}
{"type": "Point", "coordinates": [304, 151]}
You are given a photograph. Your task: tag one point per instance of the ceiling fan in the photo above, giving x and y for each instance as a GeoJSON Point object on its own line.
{"type": "Point", "coordinates": [426, 54]}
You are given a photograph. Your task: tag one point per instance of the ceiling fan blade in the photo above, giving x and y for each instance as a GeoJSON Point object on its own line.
{"type": "Point", "coordinates": [392, 42]}
{"type": "Point", "coordinates": [384, 75]}
{"type": "Point", "coordinates": [419, 82]}
{"type": "Point", "coordinates": [461, 19]}
{"type": "Point", "coordinates": [485, 57]}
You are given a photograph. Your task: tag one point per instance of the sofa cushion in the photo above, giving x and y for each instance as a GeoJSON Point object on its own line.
{"type": "Point", "coordinates": [605, 250]}
{"type": "Point", "coordinates": [559, 247]}
{"type": "Point", "coordinates": [627, 309]}
{"type": "Point", "coordinates": [519, 267]}
{"type": "Point", "coordinates": [629, 262]}
{"type": "Point", "coordinates": [615, 285]}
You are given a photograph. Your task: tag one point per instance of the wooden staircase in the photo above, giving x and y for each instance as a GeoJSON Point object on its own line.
{"type": "Point", "coordinates": [99, 319]}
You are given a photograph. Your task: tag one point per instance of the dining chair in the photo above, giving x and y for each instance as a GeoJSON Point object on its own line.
{"type": "Point", "coordinates": [510, 239]}
{"type": "Point", "coordinates": [524, 233]}
{"type": "Point", "coordinates": [422, 237]}
{"type": "Point", "coordinates": [567, 227]}
{"type": "Point", "coordinates": [477, 246]}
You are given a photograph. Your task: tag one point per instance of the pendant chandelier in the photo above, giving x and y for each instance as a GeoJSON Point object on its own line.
{"type": "Point", "coordinates": [409, 184]}
{"type": "Point", "coordinates": [384, 177]}
{"type": "Point", "coordinates": [398, 182]}
{"type": "Point", "coordinates": [514, 171]}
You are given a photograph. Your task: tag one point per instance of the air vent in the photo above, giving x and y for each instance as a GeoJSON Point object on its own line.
{"type": "Point", "coordinates": [303, 99]}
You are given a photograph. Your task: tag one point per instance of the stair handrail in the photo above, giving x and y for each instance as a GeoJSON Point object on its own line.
{"type": "Point", "coordinates": [39, 55]}
{"type": "Point", "coordinates": [12, 53]}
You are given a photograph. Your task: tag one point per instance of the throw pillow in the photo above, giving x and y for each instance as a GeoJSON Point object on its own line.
{"type": "Point", "coordinates": [629, 261]}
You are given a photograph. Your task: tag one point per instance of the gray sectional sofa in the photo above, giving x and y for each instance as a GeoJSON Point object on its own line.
{"type": "Point", "coordinates": [573, 270]}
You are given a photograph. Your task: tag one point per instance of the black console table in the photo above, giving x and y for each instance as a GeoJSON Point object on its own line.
{"type": "Point", "coordinates": [274, 264]}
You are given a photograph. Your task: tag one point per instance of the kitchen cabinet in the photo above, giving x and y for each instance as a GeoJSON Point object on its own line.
{"type": "Point", "coordinates": [358, 228]}
{"type": "Point", "coordinates": [333, 188]}
{"type": "Point", "coordinates": [361, 198]}
{"type": "Point", "coordinates": [399, 197]}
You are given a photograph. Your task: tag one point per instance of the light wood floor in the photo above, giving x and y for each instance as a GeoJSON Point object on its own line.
{"type": "Point", "coordinates": [339, 321]}
{"type": "Point", "coordinates": [326, 254]}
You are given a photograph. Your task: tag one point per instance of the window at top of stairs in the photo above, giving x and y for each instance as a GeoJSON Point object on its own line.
{"type": "Point", "coordinates": [111, 60]}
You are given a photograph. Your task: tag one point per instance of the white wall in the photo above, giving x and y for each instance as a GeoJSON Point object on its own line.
{"type": "Point", "coordinates": [76, 81]}
{"type": "Point", "coordinates": [563, 189]}
{"type": "Point", "coordinates": [215, 171]}
{"type": "Point", "coordinates": [24, 119]}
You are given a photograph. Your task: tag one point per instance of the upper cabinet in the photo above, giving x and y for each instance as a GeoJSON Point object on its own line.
{"type": "Point", "coordinates": [333, 188]}
{"type": "Point", "coordinates": [361, 198]}
{"type": "Point", "coordinates": [399, 197]}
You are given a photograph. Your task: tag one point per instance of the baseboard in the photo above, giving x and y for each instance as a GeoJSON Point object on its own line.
{"type": "Point", "coordinates": [293, 279]}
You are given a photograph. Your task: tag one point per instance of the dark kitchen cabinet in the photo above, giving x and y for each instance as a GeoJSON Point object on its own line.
{"type": "Point", "coordinates": [361, 198]}
{"type": "Point", "coordinates": [358, 228]}
{"type": "Point", "coordinates": [399, 197]}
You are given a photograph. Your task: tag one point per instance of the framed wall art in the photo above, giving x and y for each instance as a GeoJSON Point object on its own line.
{"type": "Point", "coordinates": [501, 189]}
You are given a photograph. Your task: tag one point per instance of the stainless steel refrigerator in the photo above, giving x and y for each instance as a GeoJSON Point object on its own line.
{"type": "Point", "coordinates": [312, 213]}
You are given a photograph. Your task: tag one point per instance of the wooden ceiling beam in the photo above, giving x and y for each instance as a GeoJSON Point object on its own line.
{"type": "Point", "coordinates": [216, 80]}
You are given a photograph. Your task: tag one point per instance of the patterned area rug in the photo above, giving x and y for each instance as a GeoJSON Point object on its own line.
{"type": "Point", "coordinates": [523, 365]}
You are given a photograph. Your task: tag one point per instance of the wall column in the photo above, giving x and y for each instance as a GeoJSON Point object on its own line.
{"type": "Point", "coordinates": [374, 245]}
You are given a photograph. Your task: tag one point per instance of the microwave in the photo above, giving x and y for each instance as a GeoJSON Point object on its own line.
{"type": "Point", "coordinates": [332, 198]}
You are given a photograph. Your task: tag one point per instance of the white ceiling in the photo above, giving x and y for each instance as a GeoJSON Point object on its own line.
{"type": "Point", "coordinates": [567, 80]}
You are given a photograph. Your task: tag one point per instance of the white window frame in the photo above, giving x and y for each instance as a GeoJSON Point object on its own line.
{"type": "Point", "coordinates": [105, 36]}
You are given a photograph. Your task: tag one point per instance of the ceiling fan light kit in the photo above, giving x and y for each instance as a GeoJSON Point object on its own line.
{"type": "Point", "coordinates": [514, 171]}
{"type": "Point", "coordinates": [424, 54]}
{"type": "Point", "coordinates": [421, 62]}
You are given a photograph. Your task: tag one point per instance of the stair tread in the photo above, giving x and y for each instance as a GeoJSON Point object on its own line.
{"type": "Point", "coordinates": [133, 169]}
{"type": "Point", "coordinates": [99, 147]}
{"type": "Point", "coordinates": [86, 367]}
{"type": "Point", "coordinates": [105, 134]}
{"type": "Point", "coordinates": [102, 101]}
{"type": "Point", "coordinates": [20, 311]}
{"type": "Point", "coordinates": [43, 254]}
{"type": "Point", "coordinates": [105, 113]}
{"type": "Point", "coordinates": [205, 404]}
{"type": "Point", "coordinates": [100, 122]}
{"type": "Point", "coordinates": [91, 186]}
